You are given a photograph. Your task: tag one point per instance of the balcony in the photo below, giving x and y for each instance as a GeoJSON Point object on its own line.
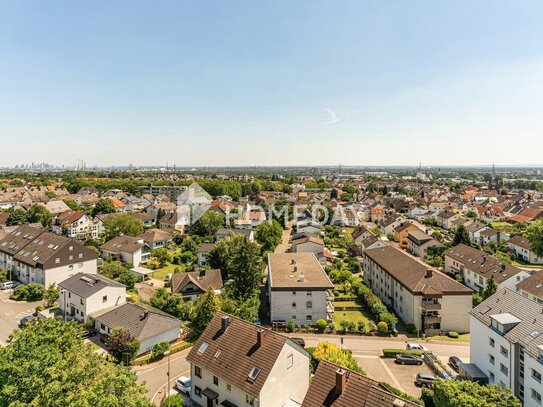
{"type": "Point", "coordinates": [432, 319]}
{"type": "Point", "coordinates": [330, 296]}
{"type": "Point", "coordinates": [431, 306]}
{"type": "Point", "coordinates": [329, 307]}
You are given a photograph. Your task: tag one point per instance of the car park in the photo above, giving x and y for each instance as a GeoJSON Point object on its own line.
{"type": "Point", "coordinates": [408, 359]}
{"type": "Point", "coordinates": [416, 346]}
{"type": "Point", "coordinates": [425, 380]}
{"type": "Point", "coordinates": [454, 362]}
{"type": "Point", "coordinates": [183, 385]}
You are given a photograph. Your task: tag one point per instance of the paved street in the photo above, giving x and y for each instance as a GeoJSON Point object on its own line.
{"type": "Point", "coordinates": [11, 312]}
{"type": "Point", "coordinates": [367, 351]}
{"type": "Point", "coordinates": [285, 239]}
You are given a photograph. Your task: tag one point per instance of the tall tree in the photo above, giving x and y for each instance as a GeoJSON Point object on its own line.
{"type": "Point", "coordinates": [490, 288]}
{"type": "Point", "coordinates": [209, 223]}
{"type": "Point", "coordinates": [103, 205]}
{"type": "Point", "coordinates": [461, 236]}
{"type": "Point", "coordinates": [205, 309]}
{"type": "Point", "coordinates": [123, 346]}
{"type": "Point", "coordinates": [269, 234]}
{"type": "Point", "coordinates": [122, 224]}
{"type": "Point", "coordinates": [51, 295]}
{"type": "Point", "coordinates": [47, 364]}
{"type": "Point", "coordinates": [39, 214]}
{"type": "Point", "coordinates": [16, 217]}
{"type": "Point", "coordinates": [534, 234]}
{"type": "Point", "coordinates": [244, 267]}
{"type": "Point", "coordinates": [465, 393]}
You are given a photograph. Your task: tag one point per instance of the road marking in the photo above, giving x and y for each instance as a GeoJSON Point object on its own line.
{"type": "Point", "coordinates": [166, 385]}
{"type": "Point", "coordinates": [164, 363]}
{"type": "Point", "coordinates": [396, 382]}
{"type": "Point", "coordinates": [23, 314]}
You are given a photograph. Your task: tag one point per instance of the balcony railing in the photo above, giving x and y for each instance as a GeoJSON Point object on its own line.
{"type": "Point", "coordinates": [431, 306]}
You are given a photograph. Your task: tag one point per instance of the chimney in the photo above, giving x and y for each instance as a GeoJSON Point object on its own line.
{"type": "Point", "coordinates": [429, 273]}
{"type": "Point", "coordinates": [295, 269]}
{"type": "Point", "coordinates": [341, 381]}
{"type": "Point", "coordinates": [225, 322]}
{"type": "Point", "coordinates": [484, 258]}
{"type": "Point", "coordinates": [261, 338]}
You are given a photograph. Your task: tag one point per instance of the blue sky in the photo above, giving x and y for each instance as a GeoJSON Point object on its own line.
{"type": "Point", "coordinates": [271, 83]}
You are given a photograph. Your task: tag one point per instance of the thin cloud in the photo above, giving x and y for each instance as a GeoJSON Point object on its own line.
{"type": "Point", "coordinates": [178, 133]}
{"type": "Point", "coordinates": [333, 116]}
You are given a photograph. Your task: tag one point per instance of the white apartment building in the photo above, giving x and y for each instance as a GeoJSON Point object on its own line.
{"type": "Point", "coordinates": [478, 267]}
{"type": "Point", "coordinates": [236, 363]}
{"type": "Point", "coordinates": [523, 250]}
{"type": "Point", "coordinates": [83, 294]}
{"type": "Point", "coordinates": [417, 293]}
{"type": "Point", "coordinates": [507, 344]}
{"type": "Point", "coordinates": [34, 255]}
{"type": "Point", "coordinates": [299, 289]}
{"type": "Point", "coordinates": [75, 225]}
{"type": "Point", "coordinates": [532, 287]}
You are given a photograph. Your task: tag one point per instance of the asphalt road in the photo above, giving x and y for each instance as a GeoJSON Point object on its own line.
{"type": "Point", "coordinates": [367, 351]}
{"type": "Point", "coordinates": [11, 312]}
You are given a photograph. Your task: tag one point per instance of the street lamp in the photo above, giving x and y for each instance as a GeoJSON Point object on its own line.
{"type": "Point", "coordinates": [167, 353]}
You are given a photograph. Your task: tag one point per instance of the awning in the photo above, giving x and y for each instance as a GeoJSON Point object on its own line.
{"type": "Point", "coordinates": [210, 394]}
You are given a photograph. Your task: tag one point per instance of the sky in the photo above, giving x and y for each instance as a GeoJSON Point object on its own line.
{"type": "Point", "coordinates": [235, 83]}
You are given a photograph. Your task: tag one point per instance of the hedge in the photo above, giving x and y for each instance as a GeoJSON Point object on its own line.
{"type": "Point", "coordinates": [391, 353]}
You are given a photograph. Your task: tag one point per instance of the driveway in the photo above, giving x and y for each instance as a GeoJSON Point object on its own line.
{"type": "Point", "coordinates": [285, 239]}
{"type": "Point", "coordinates": [11, 312]}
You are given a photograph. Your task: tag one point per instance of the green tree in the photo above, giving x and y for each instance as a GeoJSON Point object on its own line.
{"type": "Point", "coordinates": [205, 309]}
{"type": "Point", "coordinates": [173, 304]}
{"type": "Point", "coordinates": [330, 352]}
{"type": "Point", "coordinates": [48, 365]}
{"type": "Point", "coordinates": [159, 349]}
{"type": "Point", "coordinates": [16, 217]}
{"type": "Point", "coordinates": [162, 255]}
{"type": "Point", "coordinates": [461, 236]}
{"type": "Point", "coordinates": [534, 234]}
{"type": "Point", "coordinates": [176, 400]}
{"type": "Point", "coordinates": [39, 214]}
{"type": "Point", "coordinates": [269, 235]}
{"type": "Point", "coordinates": [103, 205]}
{"type": "Point", "coordinates": [123, 346]}
{"type": "Point", "coordinates": [128, 279]}
{"type": "Point", "coordinates": [209, 223]}
{"type": "Point", "coordinates": [244, 267]}
{"type": "Point", "coordinates": [112, 269]}
{"type": "Point", "coordinates": [30, 292]}
{"type": "Point", "coordinates": [122, 224]}
{"type": "Point", "coordinates": [490, 288]}
{"type": "Point", "coordinates": [51, 295]}
{"type": "Point", "coordinates": [464, 393]}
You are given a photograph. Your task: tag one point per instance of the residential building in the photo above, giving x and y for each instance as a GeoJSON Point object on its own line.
{"type": "Point", "coordinates": [75, 225]}
{"type": "Point", "coordinates": [83, 294]}
{"type": "Point", "coordinates": [419, 242]}
{"type": "Point", "coordinates": [335, 386]}
{"type": "Point", "coordinates": [171, 222]}
{"type": "Point", "coordinates": [236, 363]}
{"type": "Point", "coordinates": [34, 255]}
{"type": "Point", "coordinates": [372, 242]}
{"type": "Point", "coordinates": [361, 233]}
{"type": "Point", "coordinates": [56, 207]}
{"type": "Point", "coordinates": [148, 219]}
{"type": "Point", "coordinates": [401, 233]}
{"type": "Point", "coordinates": [224, 232]}
{"type": "Point", "coordinates": [506, 344]}
{"type": "Point", "coordinates": [477, 268]}
{"type": "Point", "coordinates": [195, 283]}
{"type": "Point", "coordinates": [532, 287]}
{"type": "Point", "coordinates": [310, 244]}
{"type": "Point", "coordinates": [445, 219]}
{"type": "Point", "coordinates": [474, 230]}
{"type": "Point", "coordinates": [171, 191]}
{"type": "Point", "coordinates": [143, 322]}
{"type": "Point", "coordinates": [128, 249]}
{"type": "Point", "coordinates": [156, 238]}
{"type": "Point", "coordinates": [299, 289]}
{"type": "Point", "coordinates": [417, 293]}
{"type": "Point", "coordinates": [523, 250]}
{"type": "Point", "coordinates": [203, 251]}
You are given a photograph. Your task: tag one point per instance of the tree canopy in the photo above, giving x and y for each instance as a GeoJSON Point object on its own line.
{"type": "Point", "coordinates": [461, 236]}
{"type": "Point", "coordinates": [534, 234]}
{"type": "Point", "coordinates": [39, 214]}
{"type": "Point", "coordinates": [332, 353]}
{"type": "Point", "coordinates": [269, 234]}
{"type": "Point", "coordinates": [464, 393]}
{"type": "Point", "coordinates": [209, 223]}
{"type": "Point", "coordinates": [47, 365]}
{"type": "Point", "coordinates": [122, 224]}
{"type": "Point", "coordinates": [103, 205]}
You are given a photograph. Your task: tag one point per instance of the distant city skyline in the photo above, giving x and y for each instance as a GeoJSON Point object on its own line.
{"type": "Point", "coordinates": [279, 83]}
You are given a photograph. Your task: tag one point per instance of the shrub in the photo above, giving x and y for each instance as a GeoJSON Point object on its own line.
{"type": "Point", "coordinates": [382, 327]}
{"type": "Point", "coordinates": [390, 319]}
{"type": "Point", "coordinates": [362, 327]}
{"type": "Point", "coordinates": [427, 397]}
{"type": "Point", "coordinates": [30, 292]}
{"type": "Point", "coordinates": [159, 349]}
{"type": "Point", "coordinates": [391, 353]}
{"type": "Point", "coordinates": [39, 308]}
{"type": "Point", "coordinates": [411, 328]}
{"type": "Point", "coordinates": [453, 334]}
{"type": "Point", "coordinates": [176, 400]}
{"type": "Point", "coordinates": [321, 325]}
{"type": "Point", "coordinates": [291, 326]}
{"type": "Point", "coordinates": [331, 326]}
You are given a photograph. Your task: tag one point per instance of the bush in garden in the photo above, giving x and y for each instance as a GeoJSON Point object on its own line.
{"type": "Point", "coordinates": [159, 349]}
{"type": "Point", "coordinates": [291, 326]}
{"type": "Point", "coordinates": [453, 334]}
{"type": "Point", "coordinates": [382, 327]}
{"type": "Point", "coordinates": [321, 325]}
{"type": "Point", "coordinates": [410, 328]}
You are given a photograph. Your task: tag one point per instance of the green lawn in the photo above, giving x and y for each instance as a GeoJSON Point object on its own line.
{"type": "Point", "coordinates": [160, 274]}
{"type": "Point", "coordinates": [350, 316]}
{"type": "Point", "coordinates": [346, 304]}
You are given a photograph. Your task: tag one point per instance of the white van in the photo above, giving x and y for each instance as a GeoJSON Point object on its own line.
{"type": "Point", "coordinates": [6, 285]}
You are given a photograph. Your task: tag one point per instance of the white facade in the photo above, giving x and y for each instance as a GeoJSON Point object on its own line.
{"type": "Point", "coordinates": [304, 307]}
{"type": "Point", "coordinates": [73, 306]}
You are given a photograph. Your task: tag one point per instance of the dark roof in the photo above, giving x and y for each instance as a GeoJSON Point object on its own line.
{"type": "Point", "coordinates": [482, 263]}
{"type": "Point", "coordinates": [19, 238]}
{"type": "Point", "coordinates": [84, 285]}
{"type": "Point", "coordinates": [414, 274]}
{"type": "Point", "coordinates": [359, 390]}
{"type": "Point", "coordinates": [418, 237]}
{"type": "Point", "coordinates": [206, 247]}
{"type": "Point", "coordinates": [533, 284]}
{"type": "Point", "coordinates": [528, 332]}
{"type": "Point", "coordinates": [155, 235]}
{"type": "Point", "coordinates": [141, 320]}
{"type": "Point", "coordinates": [232, 354]}
{"type": "Point", "coordinates": [203, 279]}
{"type": "Point", "coordinates": [489, 232]}
{"type": "Point", "coordinates": [520, 242]}
{"type": "Point", "coordinates": [226, 232]}
{"type": "Point", "coordinates": [125, 244]}
{"type": "Point", "coordinates": [475, 226]}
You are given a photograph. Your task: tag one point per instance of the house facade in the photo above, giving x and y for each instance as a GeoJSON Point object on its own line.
{"type": "Point", "coordinates": [419, 242]}
{"type": "Point", "coordinates": [523, 250]}
{"type": "Point", "coordinates": [128, 249]}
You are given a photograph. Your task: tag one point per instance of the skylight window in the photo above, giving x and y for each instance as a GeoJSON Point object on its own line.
{"type": "Point", "coordinates": [203, 347]}
{"type": "Point", "coordinates": [253, 374]}
{"type": "Point", "coordinates": [535, 334]}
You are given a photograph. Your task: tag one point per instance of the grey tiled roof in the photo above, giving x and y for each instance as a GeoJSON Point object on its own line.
{"type": "Point", "coordinates": [84, 285]}
{"type": "Point", "coordinates": [530, 313]}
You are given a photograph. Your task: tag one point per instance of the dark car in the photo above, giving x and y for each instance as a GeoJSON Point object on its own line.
{"type": "Point", "coordinates": [425, 380]}
{"type": "Point", "coordinates": [454, 362]}
{"type": "Point", "coordinates": [88, 333]}
{"type": "Point", "coordinates": [406, 359]}
{"type": "Point", "coordinates": [299, 341]}
{"type": "Point", "coordinates": [29, 319]}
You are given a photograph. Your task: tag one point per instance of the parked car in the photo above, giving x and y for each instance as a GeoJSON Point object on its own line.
{"type": "Point", "coordinates": [299, 341]}
{"type": "Point", "coordinates": [454, 362]}
{"type": "Point", "coordinates": [183, 385]}
{"type": "Point", "coordinates": [406, 359]}
{"type": "Point", "coordinates": [416, 346]}
{"type": "Point", "coordinates": [425, 380]}
{"type": "Point", "coordinates": [29, 319]}
{"type": "Point", "coordinates": [88, 333]}
{"type": "Point", "coordinates": [6, 285]}
{"type": "Point", "coordinates": [445, 374]}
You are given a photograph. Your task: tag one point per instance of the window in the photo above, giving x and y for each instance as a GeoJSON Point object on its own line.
{"type": "Point", "coordinates": [504, 369]}
{"type": "Point", "coordinates": [215, 380]}
{"type": "Point", "coordinates": [80, 265]}
{"type": "Point", "coordinates": [294, 293]}
{"type": "Point", "coordinates": [70, 257]}
{"type": "Point", "coordinates": [491, 359]}
{"type": "Point", "coordinates": [491, 341]}
{"type": "Point", "coordinates": [536, 375]}
{"type": "Point", "coordinates": [491, 376]}
{"type": "Point", "coordinates": [290, 361]}
{"type": "Point", "coordinates": [69, 295]}
{"type": "Point", "coordinates": [104, 298]}
{"type": "Point", "coordinates": [71, 267]}
{"type": "Point", "coordinates": [70, 248]}
{"type": "Point", "coordinates": [309, 293]}
{"type": "Point", "coordinates": [294, 318]}
{"type": "Point", "coordinates": [80, 255]}
{"type": "Point", "coordinates": [250, 400]}
{"type": "Point", "coordinates": [81, 301]}
{"type": "Point", "coordinates": [536, 396]}
{"type": "Point", "coordinates": [309, 305]}
{"type": "Point", "coordinates": [293, 305]}
{"type": "Point", "coordinates": [57, 260]}
{"type": "Point", "coordinates": [198, 371]}
{"type": "Point", "coordinates": [309, 318]}
{"type": "Point", "coordinates": [198, 391]}
{"type": "Point", "coordinates": [504, 351]}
